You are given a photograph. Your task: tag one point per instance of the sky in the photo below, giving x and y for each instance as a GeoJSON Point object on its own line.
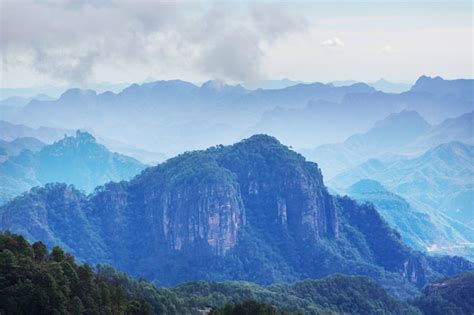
{"type": "Point", "coordinates": [80, 42]}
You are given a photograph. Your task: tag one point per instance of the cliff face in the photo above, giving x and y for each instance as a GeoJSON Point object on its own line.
{"type": "Point", "coordinates": [280, 187]}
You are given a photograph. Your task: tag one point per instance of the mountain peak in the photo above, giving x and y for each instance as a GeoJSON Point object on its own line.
{"type": "Point", "coordinates": [262, 139]}
{"type": "Point", "coordinates": [366, 186]}
{"type": "Point", "coordinates": [84, 136]}
{"type": "Point", "coordinates": [451, 151]}
{"type": "Point", "coordinates": [75, 93]}
{"type": "Point", "coordinates": [216, 85]}
{"type": "Point", "coordinates": [405, 118]}
{"type": "Point", "coordinates": [460, 88]}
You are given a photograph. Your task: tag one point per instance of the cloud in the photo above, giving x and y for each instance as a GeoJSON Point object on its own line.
{"type": "Point", "coordinates": [333, 42]}
{"type": "Point", "coordinates": [69, 40]}
{"type": "Point", "coordinates": [385, 50]}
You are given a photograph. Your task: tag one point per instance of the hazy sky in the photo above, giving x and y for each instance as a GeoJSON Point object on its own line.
{"type": "Point", "coordinates": [75, 42]}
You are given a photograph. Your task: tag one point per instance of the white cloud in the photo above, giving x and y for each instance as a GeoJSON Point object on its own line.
{"type": "Point", "coordinates": [385, 50]}
{"type": "Point", "coordinates": [333, 42]}
{"type": "Point", "coordinates": [70, 40]}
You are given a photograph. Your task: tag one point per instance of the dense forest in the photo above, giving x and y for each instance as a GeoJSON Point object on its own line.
{"type": "Point", "coordinates": [34, 280]}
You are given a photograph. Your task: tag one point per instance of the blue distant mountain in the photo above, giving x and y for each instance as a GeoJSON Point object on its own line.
{"type": "Point", "coordinates": [14, 147]}
{"type": "Point", "coordinates": [380, 85]}
{"type": "Point", "coordinates": [439, 181]}
{"type": "Point", "coordinates": [77, 160]}
{"type": "Point", "coordinates": [18, 101]}
{"type": "Point", "coordinates": [432, 232]}
{"type": "Point", "coordinates": [460, 88]}
{"type": "Point", "coordinates": [175, 116]}
{"type": "Point", "coordinates": [179, 114]}
{"type": "Point", "coordinates": [10, 132]}
{"type": "Point", "coordinates": [399, 135]}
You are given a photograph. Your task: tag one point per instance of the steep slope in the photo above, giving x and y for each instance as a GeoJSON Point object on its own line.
{"type": "Point", "coordinates": [251, 211]}
{"type": "Point", "coordinates": [78, 160]}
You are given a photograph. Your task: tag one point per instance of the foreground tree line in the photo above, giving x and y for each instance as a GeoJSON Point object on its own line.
{"type": "Point", "coordinates": [34, 280]}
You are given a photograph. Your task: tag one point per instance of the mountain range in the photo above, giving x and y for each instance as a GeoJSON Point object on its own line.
{"type": "Point", "coordinates": [397, 136]}
{"type": "Point", "coordinates": [49, 135]}
{"type": "Point", "coordinates": [326, 121]}
{"type": "Point", "coordinates": [14, 147]}
{"type": "Point", "coordinates": [380, 85]}
{"type": "Point", "coordinates": [432, 233]}
{"type": "Point", "coordinates": [440, 180]}
{"type": "Point", "coordinates": [253, 211]}
{"type": "Point", "coordinates": [184, 116]}
{"type": "Point", "coordinates": [77, 160]}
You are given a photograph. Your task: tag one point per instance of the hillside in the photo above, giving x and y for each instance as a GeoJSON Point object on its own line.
{"type": "Point", "coordinates": [253, 211]}
{"type": "Point", "coordinates": [39, 281]}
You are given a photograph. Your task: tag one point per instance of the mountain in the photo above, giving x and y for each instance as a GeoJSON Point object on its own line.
{"type": "Point", "coordinates": [48, 135]}
{"type": "Point", "coordinates": [253, 211]}
{"type": "Point", "coordinates": [380, 85]}
{"type": "Point", "coordinates": [386, 137]}
{"type": "Point", "coordinates": [18, 101]}
{"type": "Point", "coordinates": [453, 129]}
{"type": "Point", "coordinates": [460, 88]}
{"type": "Point", "coordinates": [9, 132]}
{"type": "Point", "coordinates": [390, 87]}
{"type": "Point", "coordinates": [440, 180]}
{"type": "Point", "coordinates": [41, 281]}
{"type": "Point", "coordinates": [14, 147]}
{"type": "Point", "coordinates": [272, 84]}
{"type": "Point", "coordinates": [327, 121]}
{"type": "Point", "coordinates": [78, 160]}
{"type": "Point", "coordinates": [426, 232]}
{"type": "Point", "coordinates": [399, 135]}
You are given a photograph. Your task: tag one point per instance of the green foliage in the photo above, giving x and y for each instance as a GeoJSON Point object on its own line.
{"type": "Point", "coordinates": [247, 308]}
{"type": "Point", "coordinates": [450, 296]}
{"type": "Point", "coordinates": [33, 281]}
